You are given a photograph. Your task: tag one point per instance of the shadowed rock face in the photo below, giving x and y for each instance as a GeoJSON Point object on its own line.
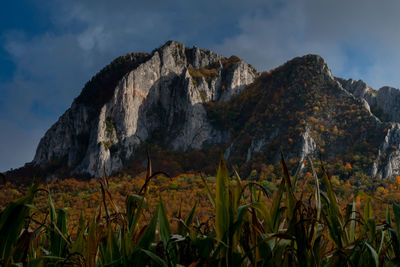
{"type": "Point", "coordinates": [188, 99]}
{"type": "Point", "coordinates": [161, 97]}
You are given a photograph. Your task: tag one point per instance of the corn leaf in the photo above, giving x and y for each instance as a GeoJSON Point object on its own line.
{"type": "Point", "coordinates": [396, 211]}
{"type": "Point", "coordinates": [149, 234]}
{"type": "Point", "coordinates": [189, 219]}
{"type": "Point", "coordinates": [222, 201]}
{"type": "Point", "coordinates": [290, 199]}
{"type": "Point", "coordinates": [163, 225]}
{"type": "Point", "coordinates": [210, 196]}
{"type": "Point", "coordinates": [333, 216]}
{"type": "Point", "coordinates": [352, 222]}
{"type": "Point", "coordinates": [373, 254]}
{"type": "Point", "coordinates": [12, 220]}
{"type": "Point", "coordinates": [155, 258]}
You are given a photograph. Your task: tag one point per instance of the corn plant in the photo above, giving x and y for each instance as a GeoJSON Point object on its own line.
{"type": "Point", "coordinates": [292, 227]}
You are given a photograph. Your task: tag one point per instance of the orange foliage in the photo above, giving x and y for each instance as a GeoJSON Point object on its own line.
{"type": "Point", "coordinates": [398, 180]}
{"type": "Point", "coordinates": [348, 166]}
{"type": "Point", "coordinates": [313, 119]}
{"type": "Point", "coordinates": [84, 197]}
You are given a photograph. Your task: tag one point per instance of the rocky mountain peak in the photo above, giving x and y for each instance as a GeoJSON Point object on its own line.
{"type": "Point", "coordinates": [141, 98]}
{"type": "Point", "coordinates": [314, 65]}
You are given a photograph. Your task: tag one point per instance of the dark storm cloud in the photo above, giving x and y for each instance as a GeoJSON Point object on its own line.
{"type": "Point", "coordinates": [357, 38]}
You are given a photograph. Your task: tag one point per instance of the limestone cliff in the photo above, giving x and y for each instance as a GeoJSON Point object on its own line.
{"type": "Point", "coordinates": [161, 97]}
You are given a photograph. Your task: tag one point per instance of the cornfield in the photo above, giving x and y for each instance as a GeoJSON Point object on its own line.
{"type": "Point", "coordinates": [250, 227]}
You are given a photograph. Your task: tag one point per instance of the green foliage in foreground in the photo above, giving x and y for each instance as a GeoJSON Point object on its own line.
{"type": "Point", "coordinates": [248, 229]}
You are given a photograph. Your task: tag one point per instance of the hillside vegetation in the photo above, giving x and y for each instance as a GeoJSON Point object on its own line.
{"type": "Point", "coordinates": [297, 98]}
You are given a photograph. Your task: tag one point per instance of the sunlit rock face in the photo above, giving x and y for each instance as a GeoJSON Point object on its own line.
{"type": "Point", "coordinates": [162, 97]}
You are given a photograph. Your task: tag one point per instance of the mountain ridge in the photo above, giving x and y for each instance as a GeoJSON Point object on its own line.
{"type": "Point", "coordinates": [187, 99]}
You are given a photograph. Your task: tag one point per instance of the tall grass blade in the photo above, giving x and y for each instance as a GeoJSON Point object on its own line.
{"type": "Point", "coordinates": [222, 201]}
{"type": "Point", "coordinates": [388, 216]}
{"type": "Point", "coordinates": [149, 234]}
{"type": "Point", "coordinates": [297, 175]}
{"type": "Point", "coordinates": [59, 240]}
{"type": "Point", "coordinates": [290, 198]}
{"type": "Point", "coordinates": [189, 219]}
{"type": "Point", "coordinates": [157, 260]}
{"type": "Point", "coordinates": [134, 206]}
{"type": "Point", "coordinates": [94, 236]}
{"type": "Point", "coordinates": [373, 254]}
{"type": "Point", "coordinates": [317, 193]}
{"type": "Point", "coordinates": [275, 208]}
{"type": "Point", "coordinates": [333, 216]}
{"type": "Point", "coordinates": [352, 222]}
{"type": "Point", "coordinates": [396, 212]}
{"type": "Point", "coordinates": [163, 225]}
{"type": "Point", "coordinates": [79, 245]}
{"type": "Point", "coordinates": [209, 194]}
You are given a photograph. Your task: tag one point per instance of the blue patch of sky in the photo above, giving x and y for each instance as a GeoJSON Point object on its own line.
{"type": "Point", "coordinates": [38, 109]}
{"type": "Point", "coordinates": [358, 60]}
{"type": "Point", "coordinates": [22, 16]}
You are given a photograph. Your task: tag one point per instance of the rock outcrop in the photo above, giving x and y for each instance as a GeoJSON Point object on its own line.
{"type": "Point", "coordinates": [160, 98]}
{"type": "Point", "coordinates": [384, 104]}
{"type": "Point", "coordinates": [385, 101]}
{"type": "Point", "coordinates": [387, 163]}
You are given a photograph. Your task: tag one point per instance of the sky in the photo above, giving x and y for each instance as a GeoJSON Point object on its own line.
{"type": "Point", "coordinates": [50, 49]}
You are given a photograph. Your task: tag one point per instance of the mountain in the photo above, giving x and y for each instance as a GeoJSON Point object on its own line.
{"type": "Point", "coordinates": [188, 106]}
{"type": "Point", "coordinates": [141, 97]}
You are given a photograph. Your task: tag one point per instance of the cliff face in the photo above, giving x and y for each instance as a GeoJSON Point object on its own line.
{"type": "Point", "coordinates": [188, 99]}
{"type": "Point", "coordinates": [385, 105]}
{"type": "Point", "coordinates": [160, 98]}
